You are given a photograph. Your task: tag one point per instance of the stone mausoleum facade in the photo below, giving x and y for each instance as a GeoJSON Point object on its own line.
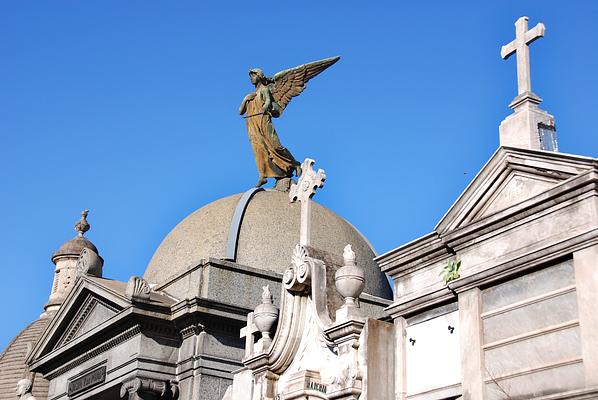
{"type": "Point", "coordinates": [497, 302]}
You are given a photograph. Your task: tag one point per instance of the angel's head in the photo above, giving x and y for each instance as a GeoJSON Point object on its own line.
{"type": "Point", "coordinates": [257, 75]}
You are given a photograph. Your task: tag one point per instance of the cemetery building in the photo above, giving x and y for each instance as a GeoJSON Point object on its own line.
{"type": "Point", "coordinates": [267, 294]}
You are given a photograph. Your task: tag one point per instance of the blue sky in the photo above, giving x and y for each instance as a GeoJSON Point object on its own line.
{"type": "Point", "coordinates": [129, 109]}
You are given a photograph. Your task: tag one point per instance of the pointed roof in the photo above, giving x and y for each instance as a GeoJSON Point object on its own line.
{"type": "Point", "coordinates": [512, 184]}
{"type": "Point", "coordinates": [511, 176]}
{"type": "Point", "coordinates": [69, 332]}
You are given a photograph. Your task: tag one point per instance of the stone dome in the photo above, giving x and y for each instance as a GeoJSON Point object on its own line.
{"type": "Point", "coordinates": [73, 247]}
{"type": "Point", "coordinates": [268, 230]}
{"type": "Point", "coordinates": [12, 362]}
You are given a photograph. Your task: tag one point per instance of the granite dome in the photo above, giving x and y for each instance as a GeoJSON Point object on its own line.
{"type": "Point", "coordinates": [268, 231]}
{"type": "Point", "coordinates": [12, 362]}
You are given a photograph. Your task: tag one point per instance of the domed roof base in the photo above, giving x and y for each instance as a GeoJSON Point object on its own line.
{"type": "Point", "coordinates": [268, 232]}
{"type": "Point", "coordinates": [73, 247]}
{"type": "Point", "coordinates": [12, 363]}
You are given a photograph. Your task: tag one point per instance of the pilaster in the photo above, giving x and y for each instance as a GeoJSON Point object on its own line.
{"type": "Point", "coordinates": [586, 280]}
{"type": "Point", "coordinates": [400, 327]}
{"type": "Point", "coordinates": [472, 358]}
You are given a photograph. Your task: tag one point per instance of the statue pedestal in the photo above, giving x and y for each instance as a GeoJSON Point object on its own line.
{"type": "Point", "coordinates": [521, 129]}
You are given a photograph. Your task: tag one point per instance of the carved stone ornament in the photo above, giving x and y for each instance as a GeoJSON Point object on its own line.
{"type": "Point", "coordinates": [264, 318]}
{"type": "Point", "coordinates": [82, 225]}
{"type": "Point", "coordinates": [138, 289]}
{"type": "Point", "coordinates": [303, 191]}
{"type": "Point", "coordinates": [298, 276]}
{"type": "Point", "coordinates": [350, 281]}
{"type": "Point", "coordinates": [24, 387]}
{"type": "Point", "coordinates": [146, 388]}
{"type": "Point", "coordinates": [309, 181]}
{"type": "Point", "coordinates": [89, 263]}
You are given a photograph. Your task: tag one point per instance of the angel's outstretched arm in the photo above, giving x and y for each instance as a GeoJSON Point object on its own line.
{"type": "Point", "coordinates": [243, 107]}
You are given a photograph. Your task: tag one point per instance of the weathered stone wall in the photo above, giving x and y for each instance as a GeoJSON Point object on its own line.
{"type": "Point", "coordinates": [531, 340]}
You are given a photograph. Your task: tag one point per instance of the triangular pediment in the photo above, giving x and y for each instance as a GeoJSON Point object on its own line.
{"type": "Point", "coordinates": [90, 306]}
{"type": "Point", "coordinates": [511, 177]}
{"type": "Point", "coordinates": [93, 312]}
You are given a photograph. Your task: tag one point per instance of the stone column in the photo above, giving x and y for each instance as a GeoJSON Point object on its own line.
{"type": "Point", "coordinates": [586, 281]}
{"type": "Point", "coordinates": [400, 358]}
{"type": "Point", "coordinates": [471, 340]}
{"type": "Point", "coordinates": [192, 336]}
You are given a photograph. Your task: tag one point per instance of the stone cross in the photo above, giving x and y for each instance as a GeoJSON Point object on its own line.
{"type": "Point", "coordinates": [303, 191]}
{"type": "Point", "coordinates": [248, 333]}
{"type": "Point", "coordinates": [523, 37]}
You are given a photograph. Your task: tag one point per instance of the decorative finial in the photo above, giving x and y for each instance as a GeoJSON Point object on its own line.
{"type": "Point", "coordinates": [266, 295]}
{"type": "Point", "coordinates": [349, 256]}
{"type": "Point", "coordinates": [82, 225]}
{"type": "Point", "coordinates": [265, 316]}
{"type": "Point", "coordinates": [350, 281]}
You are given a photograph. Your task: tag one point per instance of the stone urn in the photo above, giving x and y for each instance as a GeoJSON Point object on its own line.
{"type": "Point", "coordinates": [264, 318]}
{"type": "Point", "coordinates": [349, 279]}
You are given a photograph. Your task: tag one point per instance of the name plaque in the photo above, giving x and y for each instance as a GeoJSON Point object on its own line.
{"type": "Point", "coordinates": [319, 387]}
{"type": "Point", "coordinates": [86, 381]}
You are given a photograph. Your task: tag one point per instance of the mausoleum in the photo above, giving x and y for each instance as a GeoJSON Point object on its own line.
{"type": "Point", "coordinates": [268, 295]}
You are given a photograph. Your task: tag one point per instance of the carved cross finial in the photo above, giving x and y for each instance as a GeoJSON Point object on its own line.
{"type": "Point", "coordinates": [523, 38]}
{"type": "Point", "coordinates": [303, 191]}
{"type": "Point", "coordinates": [82, 225]}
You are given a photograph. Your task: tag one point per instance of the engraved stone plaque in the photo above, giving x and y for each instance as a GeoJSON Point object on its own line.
{"type": "Point", "coordinates": [86, 381]}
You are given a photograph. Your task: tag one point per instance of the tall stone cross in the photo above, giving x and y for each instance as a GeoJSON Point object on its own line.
{"type": "Point", "coordinates": [303, 191]}
{"type": "Point", "coordinates": [523, 37]}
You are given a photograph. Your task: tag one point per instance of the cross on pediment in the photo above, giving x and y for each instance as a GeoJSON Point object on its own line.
{"type": "Point", "coordinates": [248, 332]}
{"type": "Point", "coordinates": [523, 38]}
{"type": "Point", "coordinates": [303, 191]}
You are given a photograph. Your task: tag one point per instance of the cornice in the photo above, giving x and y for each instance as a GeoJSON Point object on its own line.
{"type": "Point", "coordinates": [434, 247]}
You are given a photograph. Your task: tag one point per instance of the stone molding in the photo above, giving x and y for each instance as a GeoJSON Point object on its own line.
{"type": "Point", "coordinates": [147, 388]}
{"type": "Point", "coordinates": [288, 336]}
{"type": "Point", "coordinates": [583, 394]}
{"type": "Point", "coordinates": [206, 307]}
{"type": "Point", "coordinates": [191, 330]}
{"type": "Point", "coordinates": [115, 341]}
{"type": "Point", "coordinates": [421, 300]}
{"type": "Point", "coordinates": [346, 331]}
{"type": "Point", "coordinates": [455, 229]}
{"type": "Point", "coordinates": [557, 167]}
{"type": "Point", "coordinates": [217, 263]}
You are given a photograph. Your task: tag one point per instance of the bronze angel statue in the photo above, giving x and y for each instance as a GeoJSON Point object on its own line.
{"type": "Point", "coordinates": [270, 98]}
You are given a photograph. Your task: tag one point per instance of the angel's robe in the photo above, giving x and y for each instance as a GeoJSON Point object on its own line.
{"type": "Point", "coordinates": [271, 158]}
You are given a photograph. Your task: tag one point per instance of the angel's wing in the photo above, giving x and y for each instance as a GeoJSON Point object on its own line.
{"type": "Point", "coordinates": [291, 82]}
